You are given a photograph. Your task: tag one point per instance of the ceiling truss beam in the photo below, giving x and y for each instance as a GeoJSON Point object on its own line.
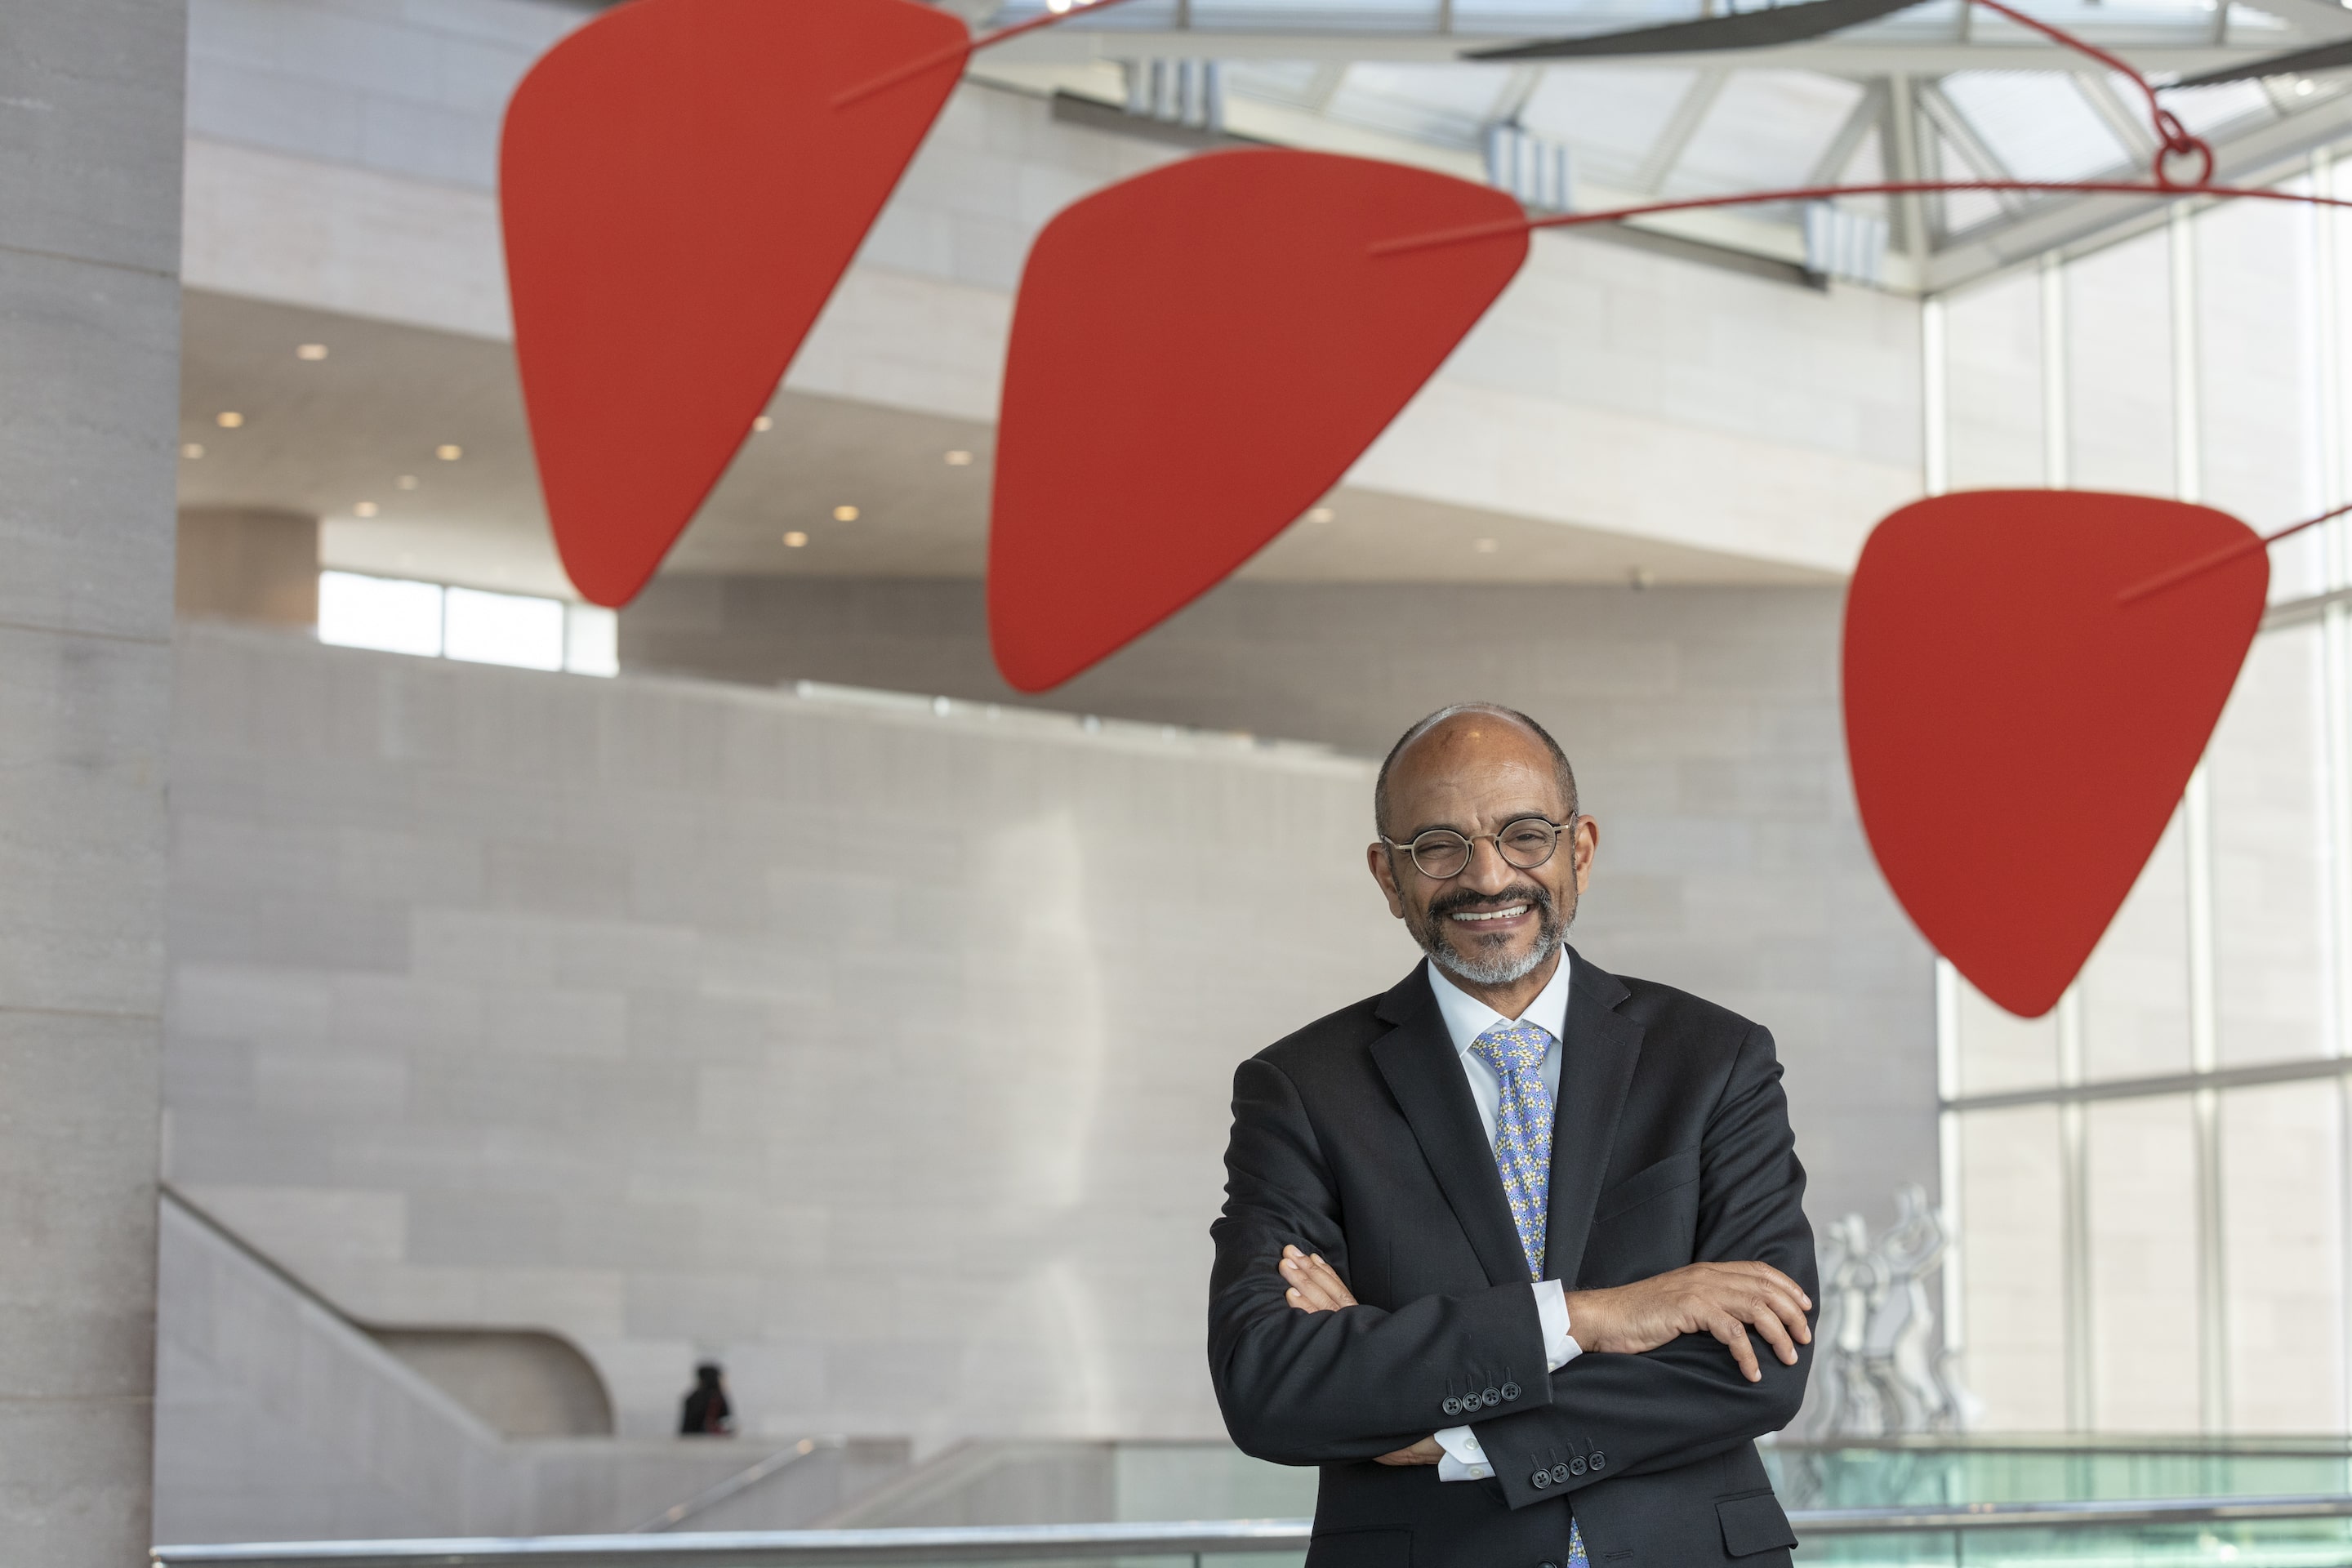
{"type": "Point", "coordinates": [1675, 139]}
{"type": "Point", "coordinates": [1868, 110]}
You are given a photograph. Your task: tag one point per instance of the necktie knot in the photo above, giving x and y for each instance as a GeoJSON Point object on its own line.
{"type": "Point", "coordinates": [1513, 1048]}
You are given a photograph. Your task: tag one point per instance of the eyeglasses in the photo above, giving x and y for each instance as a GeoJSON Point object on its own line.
{"type": "Point", "coordinates": [1441, 853]}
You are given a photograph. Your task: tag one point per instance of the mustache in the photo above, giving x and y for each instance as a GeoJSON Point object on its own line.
{"type": "Point", "coordinates": [1464, 899]}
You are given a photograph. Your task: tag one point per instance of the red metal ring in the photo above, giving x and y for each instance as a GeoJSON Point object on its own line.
{"type": "Point", "coordinates": [2179, 143]}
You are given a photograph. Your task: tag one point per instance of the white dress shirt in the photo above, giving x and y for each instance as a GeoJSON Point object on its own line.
{"type": "Point", "coordinates": [1466, 1019]}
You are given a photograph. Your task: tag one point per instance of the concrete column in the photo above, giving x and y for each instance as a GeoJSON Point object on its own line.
{"type": "Point", "coordinates": [248, 565]}
{"type": "Point", "coordinates": [89, 207]}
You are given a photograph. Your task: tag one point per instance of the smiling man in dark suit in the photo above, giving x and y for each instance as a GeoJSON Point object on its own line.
{"type": "Point", "coordinates": [1493, 1243]}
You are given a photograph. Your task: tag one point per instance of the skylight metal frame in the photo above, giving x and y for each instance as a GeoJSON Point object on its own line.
{"type": "Point", "coordinates": [1900, 61]}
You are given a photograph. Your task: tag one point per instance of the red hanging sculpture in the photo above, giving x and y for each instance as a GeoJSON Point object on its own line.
{"type": "Point", "coordinates": [2026, 695]}
{"type": "Point", "coordinates": [1198, 354]}
{"type": "Point", "coordinates": [680, 195]}
{"type": "Point", "coordinates": [1201, 353]}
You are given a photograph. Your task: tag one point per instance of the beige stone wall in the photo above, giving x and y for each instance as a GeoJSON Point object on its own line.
{"type": "Point", "coordinates": [90, 166]}
{"type": "Point", "coordinates": [883, 1056]}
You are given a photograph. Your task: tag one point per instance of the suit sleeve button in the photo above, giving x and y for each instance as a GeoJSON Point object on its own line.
{"type": "Point", "coordinates": [1576, 1466]}
{"type": "Point", "coordinates": [1510, 1392]}
{"type": "Point", "coordinates": [1560, 1473]}
{"type": "Point", "coordinates": [1540, 1479]}
{"type": "Point", "coordinates": [1599, 1460]}
{"type": "Point", "coordinates": [1491, 1398]}
{"type": "Point", "coordinates": [1452, 1406]}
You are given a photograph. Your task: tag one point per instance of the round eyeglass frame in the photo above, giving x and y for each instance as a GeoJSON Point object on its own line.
{"type": "Point", "coordinates": [1470, 842]}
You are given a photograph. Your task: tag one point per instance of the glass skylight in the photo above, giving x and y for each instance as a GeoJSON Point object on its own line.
{"type": "Point", "coordinates": [1766, 128]}
{"type": "Point", "coordinates": [2038, 123]}
{"type": "Point", "coordinates": [1447, 104]}
{"type": "Point", "coordinates": [1611, 116]}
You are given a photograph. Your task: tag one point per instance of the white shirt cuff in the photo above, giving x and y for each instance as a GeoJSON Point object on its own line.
{"type": "Point", "coordinates": [1465, 1459]}
{"type": "Point", "coordinates": [1551, 1307]}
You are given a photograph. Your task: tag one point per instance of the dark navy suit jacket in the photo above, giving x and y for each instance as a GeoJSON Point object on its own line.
{"type": "Point", "coordinates": [1358, 1138]}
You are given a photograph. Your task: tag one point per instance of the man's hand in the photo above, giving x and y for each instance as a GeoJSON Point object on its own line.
{"type": "Point", "coordinates": [1316, 1287]}
{"type": "Point", "coordinates": [1425, 1452]}
{"type": "Point", "coordinates": [1720, 1298]}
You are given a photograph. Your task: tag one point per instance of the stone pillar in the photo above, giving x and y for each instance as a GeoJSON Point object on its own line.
{"type": "Point", "coordinates": [243, 564]}
{"type": "Point", "coordinates": [90, 136]}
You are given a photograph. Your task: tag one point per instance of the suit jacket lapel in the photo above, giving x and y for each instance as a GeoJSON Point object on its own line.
{"type": "Point", "coordinates": [1418, 1060]}
{"type": "Point", "coordinates": [1596, 1070]}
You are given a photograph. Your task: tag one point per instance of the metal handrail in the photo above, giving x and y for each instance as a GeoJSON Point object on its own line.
{"type": "Point", "coordinates": [1035, 1542]}
{"type": "Point", "coordinates": [736, 1485]}
{"type": "Point", "coordinates": [802, 1548]}
{"type": "Point", "coordinates": [1914, 1519]}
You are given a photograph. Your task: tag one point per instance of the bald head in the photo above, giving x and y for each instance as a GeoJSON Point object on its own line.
{"type": "Point", "coordinates": [1470, 735]}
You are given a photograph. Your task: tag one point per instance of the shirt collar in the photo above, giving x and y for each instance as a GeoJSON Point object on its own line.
{"type": "Point", "coordinates": [1466, 1018]}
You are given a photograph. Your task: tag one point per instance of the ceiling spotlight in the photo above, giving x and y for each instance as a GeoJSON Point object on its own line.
{"type": "Point", "coordinates": [764, 424]}
{"type": "Point", "coordinates": [794, 540]}
{"type": "Point", "coordinates": [844, 514]}
{"type": "Point", "coordinates": [192, 449]}
{"type": "Point", "coordinates": [447, 453]}
{"type": "Point", "coordinates": [1320, 514]}
{"type": "Point", "coordinates": [2305, 88]}
{"type": "Point", "coordinates": [364, 509]}
{"type": "Point", "coordinates": [1485, 546]}
{"type": "Point", "coordinates": [959, 458]}
{"type": "Point", "coordinates": [406, 482]}
{"type": "Point", "coordinates": [229, 419]}
{"type": "Point", "coordinates": [311, 351]}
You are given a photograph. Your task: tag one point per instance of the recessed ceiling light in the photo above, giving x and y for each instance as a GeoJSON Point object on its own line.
{"type": "Point", "coordinates": [1320, 514]}
{"type": "Point", "coordinates": [794, 540]}
{"type": "Point", "coordinates": [844, 514]}
{"type": "Point", "coordinates": [229, 419]}
{"type": "Point", "coordinates": [2304, 88]}
{"type": "Point", "coordinates": [192, 449]}
{"type": "Point", "coordinates": [959, 458]}
{"type": "Point", "coordinates": [364, 509]}
{"type": "Point", "coordinates": [406, 482]}
{"type": "Point", "coordinates": [311, 351]}
{"type": "Point", "coordinates": [1485, 546]}
{"type": "Point", "coordinates": [764, 423]}
{"type": "Point", "coordinates": [447, 453]}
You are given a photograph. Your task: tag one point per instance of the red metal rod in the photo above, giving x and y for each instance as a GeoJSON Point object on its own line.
{"type": "Point", "coordinates": [2173, 138]}
{"type": "Point", "coordinates": [2221, 557]}
{"type": "Point", "coordinates": [1824, 193]}
{"type": "Point", "coordinates": [916, 68]}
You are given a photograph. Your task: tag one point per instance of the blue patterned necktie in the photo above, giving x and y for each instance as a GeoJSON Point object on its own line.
{"type": "Point", "coordinates": [1522, 1127]}
{"type": "Point", "coordinates": [1523, 1155]}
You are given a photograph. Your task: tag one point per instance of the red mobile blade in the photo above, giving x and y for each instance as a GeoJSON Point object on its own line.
{"type": "Point", "coordinates": [2018, 736]}
{"type": "Point", "coordinates": [1198, 354]}
{"type": "Point", "coordinates": [680, 195]}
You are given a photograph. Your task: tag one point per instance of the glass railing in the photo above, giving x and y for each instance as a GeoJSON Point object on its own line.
{"type": "Point", "coordinates": [1985, 1480]}
{"type": "Point", "coordinates": [2034, 1469]}
{"type": "Point", "coordinates": [1981, 1503]}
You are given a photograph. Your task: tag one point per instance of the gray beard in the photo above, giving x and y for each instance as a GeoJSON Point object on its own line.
{"type": "Point", "coordinates": [1436, 941]}
{"type": "Point", "coordinates": [1495, 971]}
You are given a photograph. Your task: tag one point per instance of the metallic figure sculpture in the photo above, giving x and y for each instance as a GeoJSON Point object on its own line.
{"type": "Point", "coordinates": [1878, 1369]}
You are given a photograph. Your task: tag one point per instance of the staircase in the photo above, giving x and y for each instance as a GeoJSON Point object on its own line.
{"type": "Point", "coordinates": [280, 1418]}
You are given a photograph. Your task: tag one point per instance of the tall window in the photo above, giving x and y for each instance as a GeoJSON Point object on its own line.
{"type": "Point", "coordinates": [2150, 1183]}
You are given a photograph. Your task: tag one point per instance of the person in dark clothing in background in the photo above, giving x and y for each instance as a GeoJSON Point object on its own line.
{"type": "Point", "coordinates": [707, 1413]}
